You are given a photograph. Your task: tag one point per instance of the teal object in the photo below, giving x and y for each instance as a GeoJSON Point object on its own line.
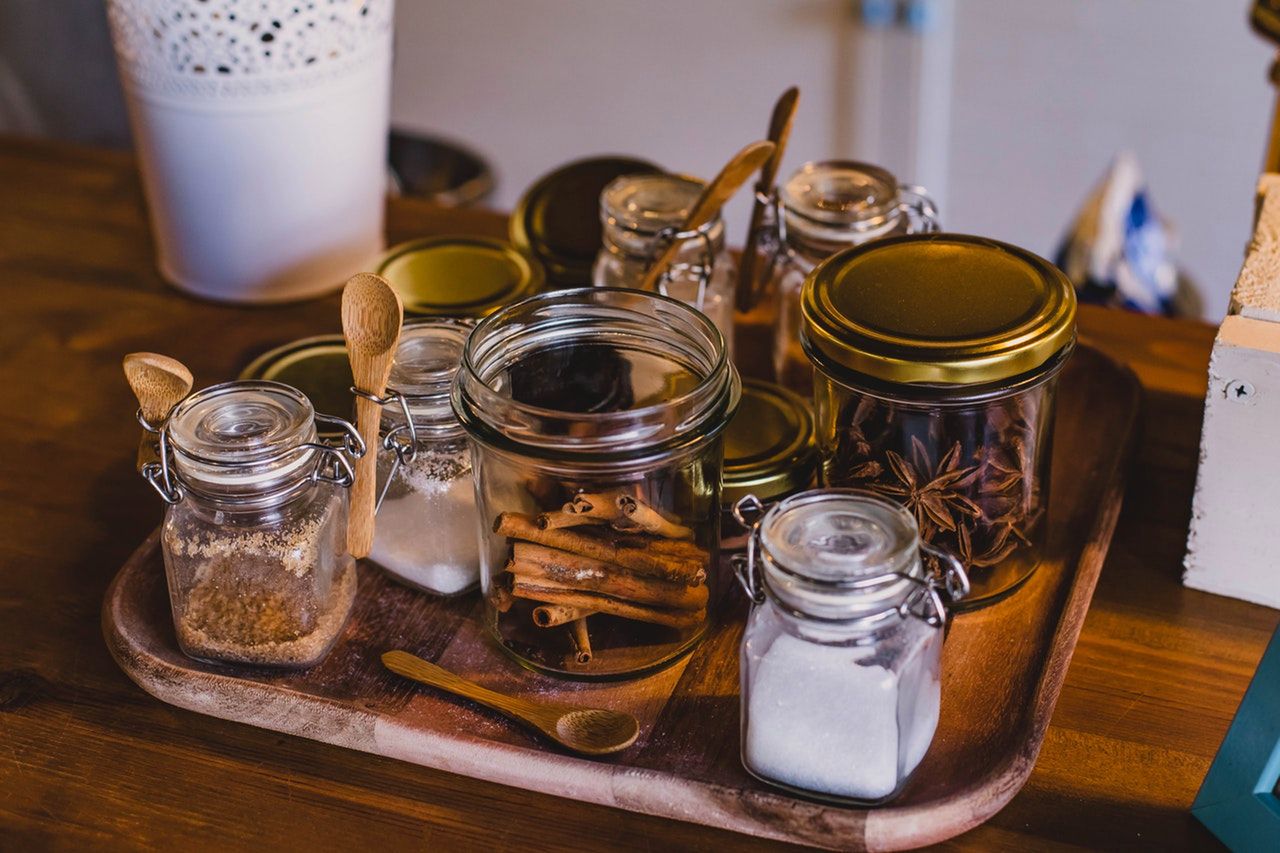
{"type": "Point", "coordinates": [1240, 799]}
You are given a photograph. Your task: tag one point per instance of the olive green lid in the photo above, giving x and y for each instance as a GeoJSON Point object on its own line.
{"type": "Point", "coordinates": [937, 308]}
{"type": "Point", "coordinates": [459, 276]}
{"type": "Point", "coordinates": [318, 367]}
{"type": "Point", "coordinates": [769, 448]}
{"type": "Point", "coordinates": [557, 220]}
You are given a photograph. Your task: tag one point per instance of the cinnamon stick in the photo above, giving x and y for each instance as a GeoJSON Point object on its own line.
{"type": "Point", "coordinates": [551, 615]}
{"type": "Point", "coordinates": [600, 506]}
{"type": "Point", "coordinates": [675, 560]}
{"type": "Point", "coordinates": [501, 598]}
{"type": "Point", "coordinates": [581, 640]}
{"type": "Point", "coordinates": [566, 517]}
{"type": "Point", "coordinates": [550, 592]}
{"type": "Point", "coordinates": [585, 573]}
{"type": "Point", "coordinates": [648, 519]}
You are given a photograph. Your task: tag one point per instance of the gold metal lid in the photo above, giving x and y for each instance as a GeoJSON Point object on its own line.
{"type": "Point", "coordinates": [459, 276]}
{"type": "Point", "coordinates": [557, 220]}
{"type": "Point", "coordinates": [317, 366]}
{"type": "Point", "coordinates": [769, 449]}
{"type": "Point", "coordinates": [937, 308]}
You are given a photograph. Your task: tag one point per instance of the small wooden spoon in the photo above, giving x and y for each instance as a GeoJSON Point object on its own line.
{"type": "Point", "coordinates": [159, 383]}
{"type": "Point", "coordinates": [589, 731]}
{"type": "Point", "coordinates": [734, 174]}
{"type": "Point", "coordinates": [784, 113]}
{"type": "Point", "coordinates": [371, 319]}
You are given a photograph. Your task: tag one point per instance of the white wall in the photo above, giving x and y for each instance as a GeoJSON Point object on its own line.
{"type": "Point", "coordinates": [1043, 93]}
{"type": "Point", "coordinates": [1040, 95]}
{"type": "Point", "coordinates": [684, 83]}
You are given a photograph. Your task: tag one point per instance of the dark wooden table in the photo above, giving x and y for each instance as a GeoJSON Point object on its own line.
{"type": "Point", "coordinates": [89, 760]}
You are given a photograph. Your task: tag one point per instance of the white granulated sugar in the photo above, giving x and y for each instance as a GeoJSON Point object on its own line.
{"type": "Point", "coordinates": [429, 536]}
{"type": "Point", "coordinates": [818, 720]}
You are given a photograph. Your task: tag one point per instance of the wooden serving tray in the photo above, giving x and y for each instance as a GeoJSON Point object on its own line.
{"type": "Point", "coordinates": [1003, 667]}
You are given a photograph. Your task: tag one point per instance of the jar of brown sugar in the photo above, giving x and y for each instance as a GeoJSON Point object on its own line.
{"type": "Point", "coordinates": [937, 357]}
{"type": "Point", "coordinates": [255, 532]}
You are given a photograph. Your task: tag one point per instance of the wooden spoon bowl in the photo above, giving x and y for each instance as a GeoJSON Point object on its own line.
{"type": "Point", "coordinates": [371, 319]}
{"type": "Point", "coordinates": [587, 731]}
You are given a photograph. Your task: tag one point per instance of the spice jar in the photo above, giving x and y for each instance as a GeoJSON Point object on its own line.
{"type": "Point", "coordinates": [596, 418]}
{"type": "Point", "coordinates": [425, 531]}
{"type": "Point", "coordinates": [841, 656]}
{"type": "Point", "coordinates": [255, 533]}
{"type": "Point", "coordinates": [937, 359]}
{"type": "Point", "coordinates": [768, 452]}
{"type": "Point", "coordinates": [642, 214]}
{"type": "Point", "coordinates": [822, 208]}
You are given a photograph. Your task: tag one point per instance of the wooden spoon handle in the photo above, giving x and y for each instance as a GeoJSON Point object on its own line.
{"type": "Point", "coordinates": [784, 113]}
{"type": "Point", "coordinates": [364, 491]}
{"type": "Point", "coordinates": [414, 667]}
{"type": "Point", "coordinates": [734, 174]}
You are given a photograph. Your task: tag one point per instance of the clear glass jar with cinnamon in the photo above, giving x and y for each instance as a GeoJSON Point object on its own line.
{"type": "Point", "coordinates": [596, 420]}
{"type": "Point", "coordinates": [822, 208]}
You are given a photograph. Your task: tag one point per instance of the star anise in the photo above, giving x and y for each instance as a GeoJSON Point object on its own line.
{"type": "Point", "coordinates": [935, 496]}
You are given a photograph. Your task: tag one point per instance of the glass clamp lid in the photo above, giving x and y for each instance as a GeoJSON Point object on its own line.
{"type": "Point", "coordinates": [844, 556]}
{"type": "Point", "coordinates": [557, 220]}
{"type": "Point", "coordinates": [650, 204]}
{"type": "Point", "coordinates": [944, 309]}
{"type": "Point", "coordinates": [459, 276]}
{"type": "Point", "coordinates": [835, 196]}
{"type": "Point", "coordinates": [769, 448]}
{"type": "Point", "coordinates": [249, 440]}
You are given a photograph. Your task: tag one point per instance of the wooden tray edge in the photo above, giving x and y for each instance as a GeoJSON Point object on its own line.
{"type": "Point", "coordinates": [981, 801]}
{"type": "Point", "coordinates": [886, 828]}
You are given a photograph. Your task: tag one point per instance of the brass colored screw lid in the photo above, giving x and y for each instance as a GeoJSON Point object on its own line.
{"type": "Point", "coordinates": [769, 449]}
{"type": "Point", "coordinates": [557, 220]}
{"type": "Point", "coordinates": [459, 276]}
{"type": "Point", "coordinates": [944, 309]}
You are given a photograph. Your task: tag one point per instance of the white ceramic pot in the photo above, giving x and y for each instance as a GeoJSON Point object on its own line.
{"type": "Point", "coordinates": [261, 133]}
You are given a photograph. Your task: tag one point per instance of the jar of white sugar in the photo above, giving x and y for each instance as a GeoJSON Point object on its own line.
{"type": "Point", "coordinates": [425, 530]}
{"type": "Point", "coordinates": [842, 651]}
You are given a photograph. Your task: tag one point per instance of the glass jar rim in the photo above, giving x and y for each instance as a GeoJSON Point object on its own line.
{"type": "Point", "coordinates": [611, 315]}
{"type": "Point", "coordinates": [426, 364]}
{"type": "Point", "coordinates": [798, 193]}
{"type": "Point", "coordinates": [867, 597]}
{"type": "Point", "coordinates": [271, 445]}
{"type": "Point", "coordinates": [933, 393]}
{"type": "Point", "coordinates": [618, 208]}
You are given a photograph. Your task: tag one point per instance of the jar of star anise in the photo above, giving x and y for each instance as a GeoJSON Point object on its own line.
{"type": "Point", "coordinates": [936, 361]}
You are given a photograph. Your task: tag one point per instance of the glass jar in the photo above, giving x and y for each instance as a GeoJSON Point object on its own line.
{"type": "Point", "coordinates": [841, 656]}
{"type": "Point", "coordinates": [768, 452]}
{"type": "Point", "coordinates": [425, 530]}
{"type": "Point", "coordinates": [596, 418]}
{"type": "Point", "coordinates": [641, 215]}
{"type": "Point", "coordinates": [255, 533]}
{"type": "Point", "coordinates": [822, 208]}
{"type": "Point", "coordinates": [937, 357]}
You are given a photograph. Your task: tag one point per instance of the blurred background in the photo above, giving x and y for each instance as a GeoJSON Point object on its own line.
{"type": "Point", "coordinates": [1009, 112]}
